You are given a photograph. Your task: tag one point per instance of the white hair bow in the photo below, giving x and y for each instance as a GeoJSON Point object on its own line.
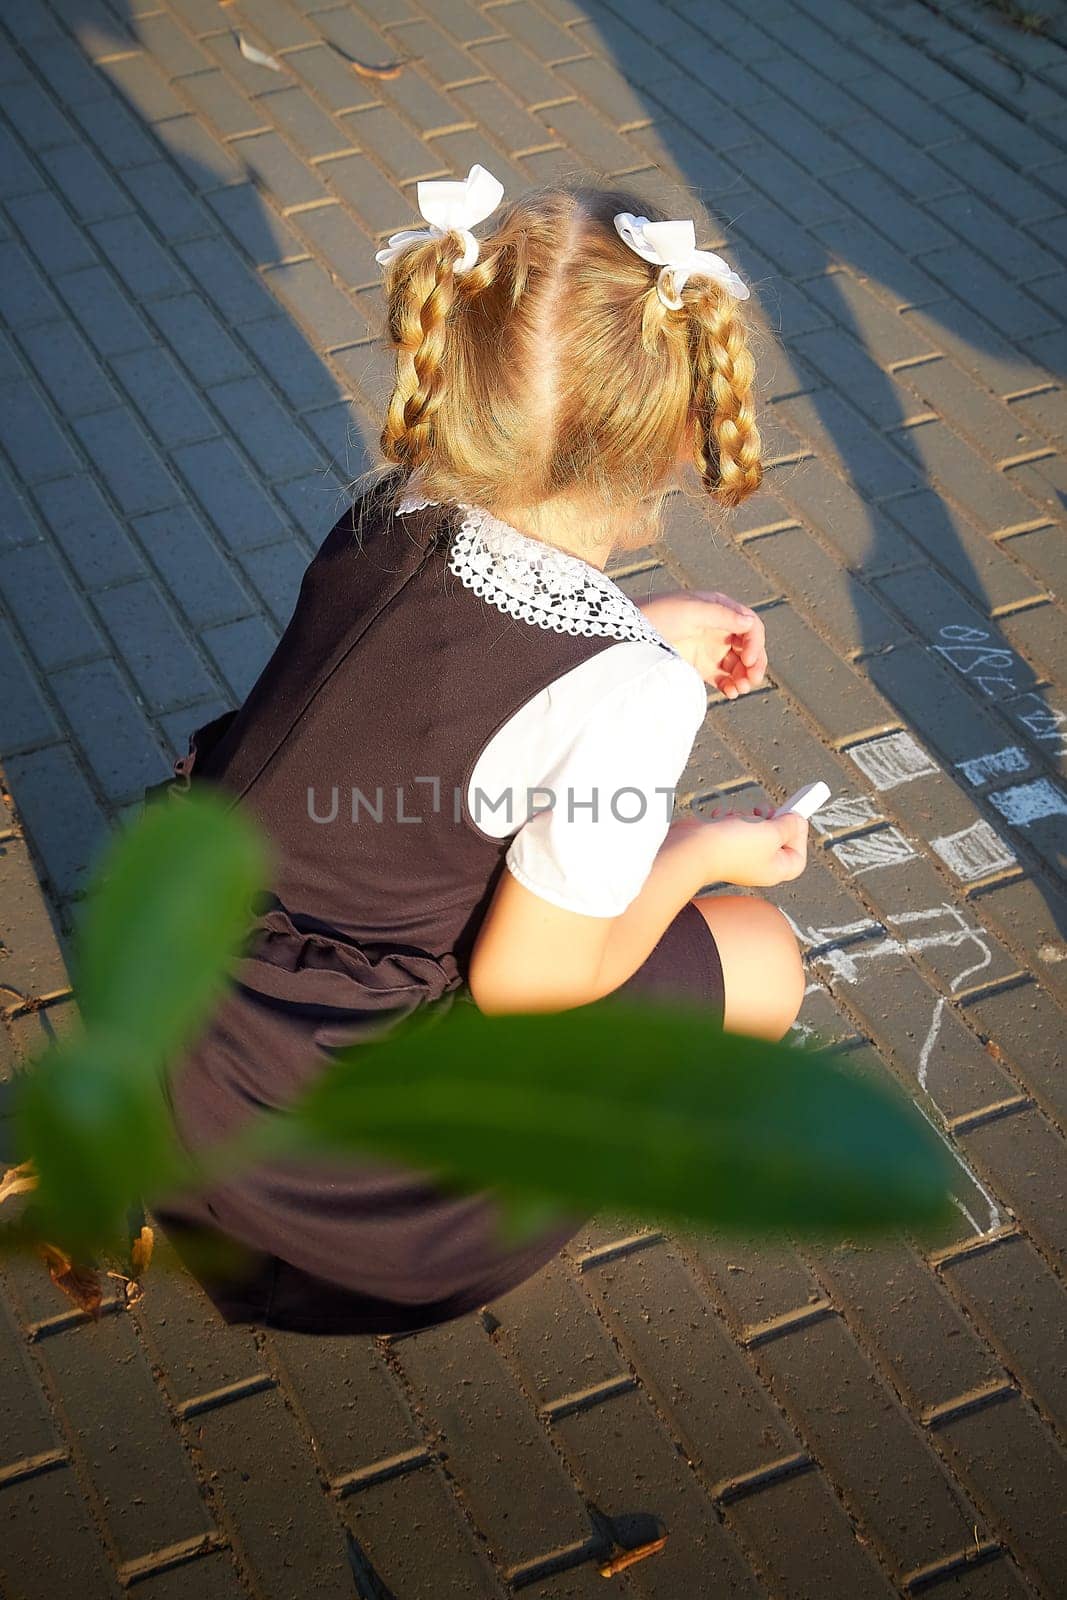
{"type": "Point", "coordinates": [450, 207]}
{"type": "Point", "coordinates": [671, 246]}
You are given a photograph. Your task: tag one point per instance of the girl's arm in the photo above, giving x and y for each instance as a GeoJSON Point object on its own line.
{"type": "Point", "coordinates": [531, 955]}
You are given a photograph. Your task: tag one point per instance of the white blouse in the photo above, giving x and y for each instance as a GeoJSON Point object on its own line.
{"type": "Point", "coordinates": [585, 770]}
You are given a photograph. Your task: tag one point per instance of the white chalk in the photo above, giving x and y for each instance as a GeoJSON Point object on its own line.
{"type": "Point", "coordinates": [806, 801]}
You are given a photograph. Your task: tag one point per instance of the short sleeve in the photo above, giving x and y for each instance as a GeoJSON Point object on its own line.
{"type": "Point", "coordinates": [603, 807]}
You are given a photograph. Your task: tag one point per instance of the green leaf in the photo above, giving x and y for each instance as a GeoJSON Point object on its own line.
{"type": "Point", "coordinates": [100, 1135]}
{"type": "Point", "coordinates": [167, 909]}
{"type": "Point", "coordinates": [641, 1107]}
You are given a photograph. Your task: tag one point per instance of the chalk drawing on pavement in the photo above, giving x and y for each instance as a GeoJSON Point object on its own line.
{"type": "Point", "coordinates": [892, 759]}
{"type": "Point", "coordinates": [994, 765]}
{"type": "Point", "coordinates": [1029, 802]}
{"type": "Point", "coordinates": [974, 852]}
{"type": "Point", "coordinates": [884, 848]}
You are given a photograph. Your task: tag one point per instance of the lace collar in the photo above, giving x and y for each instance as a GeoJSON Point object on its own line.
{"type": "Point", "coordinates": [537, 582]}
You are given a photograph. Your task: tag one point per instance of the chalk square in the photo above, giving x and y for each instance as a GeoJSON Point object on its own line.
{"type": "Point", "coordinates": [993, 765]}
{"type": "Point", "coordinates": [974, 852]}
{"type": "Point", "coordinates": [895, 758]}
{"type": "Point", "coordinates": [884, 848]}
{"type": "Point", "coordinates": [1029, 802]}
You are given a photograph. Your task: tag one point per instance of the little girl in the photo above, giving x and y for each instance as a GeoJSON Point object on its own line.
{"type": "Point", "coordinates": [466, 744]}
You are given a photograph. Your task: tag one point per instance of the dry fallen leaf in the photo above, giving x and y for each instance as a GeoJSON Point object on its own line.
{"type": "Point", "coordinates": [78, 1283]}
{"type": "Point", "coordinates": [629, 1558]}
{"type": "Point", "coordinates": [258, 58]}
{"type": "Point", "coordinates": [391, 69]}
{"type": "Point", "coordinates": [17, 1180]}
{"type": "Point", "coordinates": [141, 1250]}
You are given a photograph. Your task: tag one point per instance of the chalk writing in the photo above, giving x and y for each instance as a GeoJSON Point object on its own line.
{"type": "Point", "coordinates": [998, 762]}
{"type": "Point", "coordinates": [974, 852]}
{"type": "Point", "coordinates": [895, 758]}
{"type": "Point", "coordinates": [1002, 675]}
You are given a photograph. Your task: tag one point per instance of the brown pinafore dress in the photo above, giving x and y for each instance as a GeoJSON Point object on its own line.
{"type": "Point", "coordinates": [353, 751]}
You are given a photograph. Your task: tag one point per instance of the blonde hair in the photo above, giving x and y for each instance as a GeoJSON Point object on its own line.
{"type": "Point", "coordinates": [552, 368]}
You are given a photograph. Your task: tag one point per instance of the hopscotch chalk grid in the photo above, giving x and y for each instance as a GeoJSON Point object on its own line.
{"type": "Point", "coordinates": [896, 758]}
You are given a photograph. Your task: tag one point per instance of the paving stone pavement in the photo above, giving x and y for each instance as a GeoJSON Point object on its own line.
{"type": "Point", "coordinates": [190, 366]}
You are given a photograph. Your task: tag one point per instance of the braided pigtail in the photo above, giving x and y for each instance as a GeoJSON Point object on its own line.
{"type": "Point", "coordinates": [727, 442]}
{"type": "Point", "coordinates": [421, 289]}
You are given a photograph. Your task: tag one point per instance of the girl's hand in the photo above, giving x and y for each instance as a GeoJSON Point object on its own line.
{"type": "Point", "coordinates": [724, 640]}
{"type": "Point", "coordinates": [756, 849]}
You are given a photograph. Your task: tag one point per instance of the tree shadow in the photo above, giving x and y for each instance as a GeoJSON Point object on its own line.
{"type": "Point", "coordinates": [869, 334]}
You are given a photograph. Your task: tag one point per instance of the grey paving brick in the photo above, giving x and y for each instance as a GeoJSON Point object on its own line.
{"type": "Point", "coordinates": [111, 728]}
{"type": "Point", "coordinates": [589, 136]}
{"type": "Point", "coordinates": [126, 461]}
{"type": "Point", "coordinates": [276, 570]}
{"type": "Point", "coordinates": [791, 248]}
{"type": "Point", "coordinates": [841, 702]}
{"type": "Point", "coordinates": [283, 352]}
{"type": "Point", "coordinates": [355, 1369]}
{"type": "Point", "coordinates": [1042, 413]}
{"type": "Point", "coordinates": [900, 1493]}
{"type": "Point", "coordinates": [143, 87]}
{"type": "Point", "coordinates": [854, 244]}
{"type": "Point", "coordinates": [1012, 251]}
{"type": "Point", "coordinates": [428, 111]}
{"type": "Point", "coordinates": [1024, 1024]}
{"type": "Point", "coordinates": [344, 430]}
{"type": "Point", "coordinates": [278, 170]}
{"type": "Point", "coordinates": [68, 74]}
{"type": "Point", "coordinates": [523, 1501]}
{"type": "Point", "coordinates": [863, 534]}
{"type": "Point", "coordinates": [462, 150]}
{"type": "Point", "coordinates": [248, 217]}
{"type": "Point", "coordinates": [532, 83]}
{"type": "Point", "coordinates": [88, 189]}
{"type": "Point", "coordinates": [24, 298]}
{"type": "Point", "coordinates": [117, 133]}
{"type": "Point", "coordinates": [980, 285]}
{"type": "Point", "coordinates": [25, 718]}
{"type": "Point", "coordinates": [40, 1567]}
{"type": "Point", "coordinates": [1015, 1299]}
{"type": "Point", "coordinates": [315, 503]}
{"type": "Point", "coordinates": [168, 1506]}
{"type": "Point", "coordinates": [1039, 634]}
{"type": "Point", "coordinates": [165, 668]}
{"type": "Point", "coordinates": [166, 201]}
{"type": "Point", "coordinates": [18, 523]}
{"type": "Point", "coordinates": [227, 110]}
{"type": "Point", "coordinates": [840, 434]}
{"type": "Point", "coordinates": [169, 46]}
{"type": "Point", "coordinates": [262, 426]}
{"type": "Point", "coordinates": [1043, 480]}
{"type": "Point", "coordinates": [199, 339]}
{"type": "Point", "coordinates": [241, 651]}
{"type": "Point", "coordinates": [841, 360]}
{"type": "Point", "coordinates": [988, 497]}
{"type": "Point", "coordinates": [695, 552]}
{"type": "Point", "coordinates": [977, 347]}
{"type": "Point", "coordinates": [62, 362]}
{"type": "Point", "coordinates": [36, 117]}
{"type": "Point", "coordinates": [402, 153]}
{"type": "Point", "coordinates": [991, 176]}
{"type": "Point", "coordinates": [17, 175]}
{"type": "Point", "coordinates": [144, 265]}
{"type": "Point", "coordinates": [232, 498]}
{"type": "Point", "coordinates": [331, 316]}
{"type": "Point", "coordinates": [1043, 552]}
{"type": "Point", "coordinates": [191, 565]}
{"type": "Point", "coordinates": [372, 197]}
{"type": "Point", "coordinates": [163, 399]}
{"type": "Point", "coordinates": [104, 312]}
{"type": "Point", "coordinates": [613, 1449]}
{"type": "Point", "coordinates": [990, 425]}
{"type": "Point", "coordinates": [490, 105]}
{"type": "Point", "coordinates": [860, 308]}
{"type": "Point", "coordinates": [973, 560]}
{"type": "Point", "coordinates": [331, 80]}
{"type": "Point", "coordinates": [34, 442]}
{"type": "Point", "coordinates": [992, 125]}
{"type": "Point", "coordinates": [337, 239]}
{"type": "Point", "coordinates": [60, 813]}
{"type": "Point", "coordinates": [848, 613]}
{"type": "Point", "coordinates": [97, 546]}
{"type": "Point", "coordinates": [547, 41]}
{"type": "Point", "coordinates": [376, 1518]}
{"type": "Point", "coordinates": [219, 273]}
{"type": "Point", "coordinates": [308, 128]}
{"type": "Point", "coordinates": [197, 155]}
{"type": "Point", "coordinates": [776, 174]}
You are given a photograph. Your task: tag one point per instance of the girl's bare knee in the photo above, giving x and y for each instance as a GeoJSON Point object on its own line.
{"type": "Point", "coordinates": [763, 971]}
